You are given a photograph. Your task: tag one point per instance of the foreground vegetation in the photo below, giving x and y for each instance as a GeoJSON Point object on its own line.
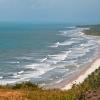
{"type": "Point", "coordinates": [29, 91]}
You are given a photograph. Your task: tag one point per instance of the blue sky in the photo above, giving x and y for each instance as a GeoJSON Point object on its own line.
{"type": "Point", "coordinates": [42, 11]}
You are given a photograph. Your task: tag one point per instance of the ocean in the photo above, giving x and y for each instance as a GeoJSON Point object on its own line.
{"type": "Point", "coordinates": [44, 54]}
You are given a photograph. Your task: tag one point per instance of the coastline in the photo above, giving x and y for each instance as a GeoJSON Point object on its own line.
{"type": "Point", "coordinates": [82, 73]}
{"type": "Point", "coordinates": [78, 76]}
{"type": "Point", "coordinates": [88, 70]}
{"type": "Point", "coordinates": [80, 79]}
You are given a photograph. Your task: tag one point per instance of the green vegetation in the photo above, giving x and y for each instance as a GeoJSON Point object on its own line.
{"type": "Point", "coordinates": [33, 92]}
{"type": "Point", "coordinates": [94, 30]}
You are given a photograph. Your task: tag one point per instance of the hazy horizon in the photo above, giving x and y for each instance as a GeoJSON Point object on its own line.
{"type": "Point", "coordinates": [50, 11]}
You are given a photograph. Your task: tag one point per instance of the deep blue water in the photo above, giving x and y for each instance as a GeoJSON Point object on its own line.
{"type": "Point", "coordinates": [42, 53]}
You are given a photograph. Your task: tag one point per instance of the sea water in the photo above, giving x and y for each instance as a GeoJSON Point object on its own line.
{"type": "Point", "coordinates": [43, 54]}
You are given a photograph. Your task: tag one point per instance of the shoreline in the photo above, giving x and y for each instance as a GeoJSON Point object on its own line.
{"type": "Point", "coordinates": [82, 74]}
{"type": "Point", "coordinates": [80, 79]}
{"type": "Point", "coordinates": [88, 70]}
{"type": "Point", "coordinates": [78, 76]}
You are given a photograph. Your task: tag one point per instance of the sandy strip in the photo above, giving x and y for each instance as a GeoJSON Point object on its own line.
{"type": "Point", "coordinates": [95, 65]}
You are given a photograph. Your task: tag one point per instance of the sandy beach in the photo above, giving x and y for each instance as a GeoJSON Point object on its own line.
{"type": "Point", "coordinates": [78, 76]}
{"type": "Point", "coordinates": [95, 65]}
{"type": "Point", "coordinates": [88, 70]}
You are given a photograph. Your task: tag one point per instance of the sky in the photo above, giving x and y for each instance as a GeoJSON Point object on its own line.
{"type": "Point", "coordinates": [52, 11]}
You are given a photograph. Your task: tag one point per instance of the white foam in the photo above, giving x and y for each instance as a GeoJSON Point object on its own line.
{"type": "Point", "coordinates": [89, 45]}
{"type": "Point", "coordinates": [24, 58]}
{"type": "Point", "coordinates": [59, 57]}
{"type": "Point", "coordinates": [44, 59]}
{"type": "Point", "coordinates": [79, 51]}
{"type": "Point", "coordinates": [1, 77]}
{"type": "Point", "coordinates": [20, 72]}
{"type": "Point", "coordinates": [81, 33]}
{"type": "Point", "coordinates": [23, 77]}
{"type": "Point", "coordinates": [59, 81]}
{"type": "Point", "coordinates": [55, 45]}
{"type": "Point", "coordinates": [15, 76]}
{"type": "Point", "coordinates": [50, 61]}
{"type": "Point", "coordinates": [72, 27]}
{"type": "Point", "coordinates": [36, 65]}
{"type": "Point", "coordinates": [62, 44]}
{"type": "Point", "coordinates": [40, 69]}
{"type": "Point", "coordinates": [67, 43]}
{"type": "Point", "coordinates": [12, 62]}
{"type": "Point", "coordinates": [64, 33]}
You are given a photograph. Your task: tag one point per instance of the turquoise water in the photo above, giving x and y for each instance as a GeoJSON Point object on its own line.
{"type": "Point", "coordinates": [42, 54]}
